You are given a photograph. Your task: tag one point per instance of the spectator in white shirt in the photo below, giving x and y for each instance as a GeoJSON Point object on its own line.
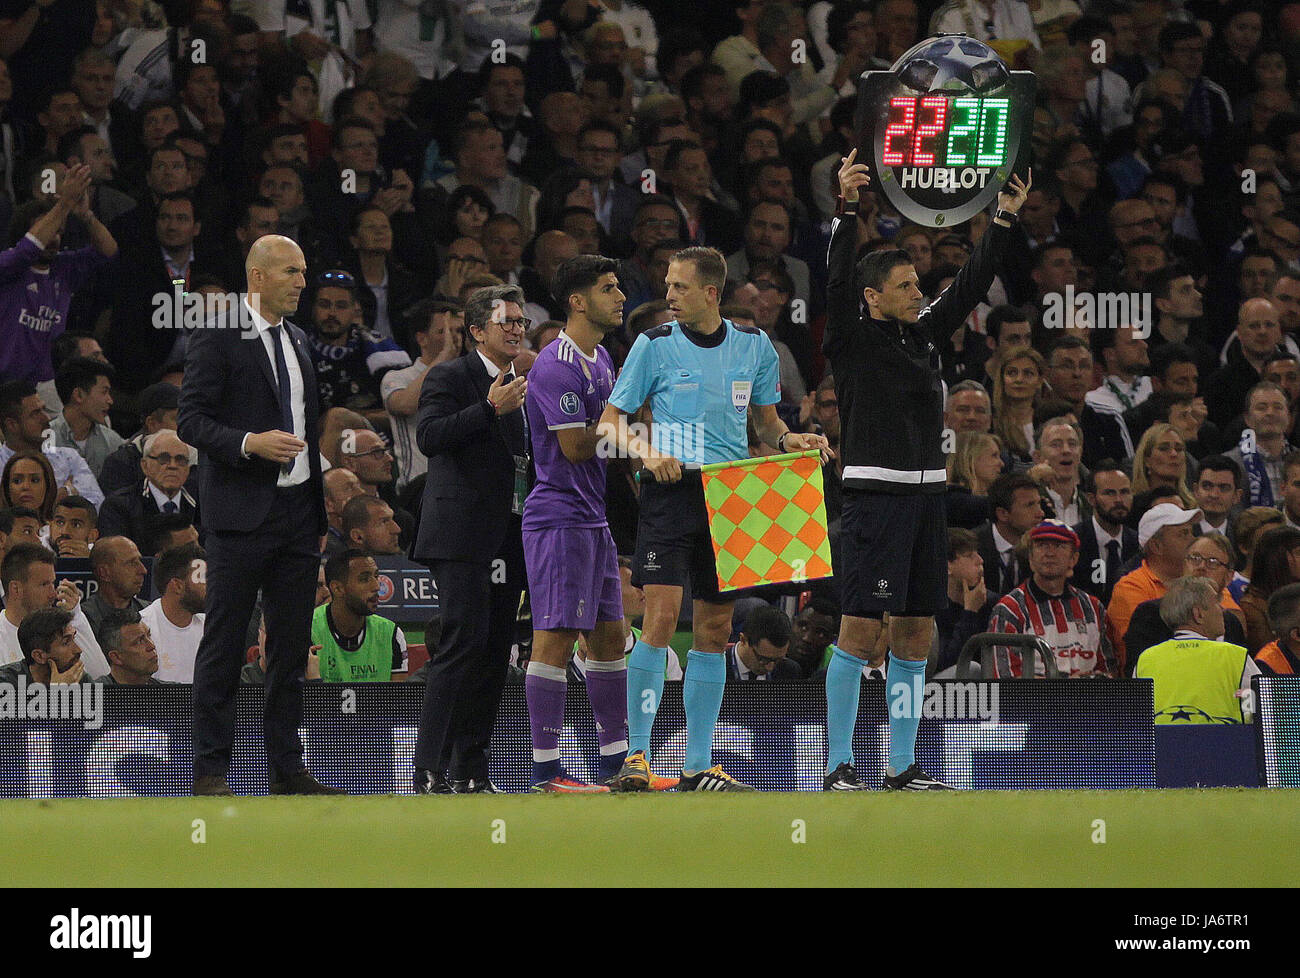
{"type": "Point", "coordinates": [176, 618]}
{"type": "Point", "coordinates": [439, 331]}
{"type": "Point", "coordinates": [27, 573]}
{"type": "Point", "coordinates": [25, 421]}
{"type": "Point", "coordinates": [1124, 353]}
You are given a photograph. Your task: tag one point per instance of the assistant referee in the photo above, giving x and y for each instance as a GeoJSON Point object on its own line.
{"type": "Point", "coordinates": [704, 376]}
{"type": "Point", "coordinates": [893, 546]}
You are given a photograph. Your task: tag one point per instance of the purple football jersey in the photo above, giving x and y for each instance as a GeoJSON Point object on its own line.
{"type": "Point", "coordinates": [566, 390]}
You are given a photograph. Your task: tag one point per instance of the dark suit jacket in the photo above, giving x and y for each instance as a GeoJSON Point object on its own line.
{"type": "Point", "coordinates": [993, 563]}
{"type": "Point", "coordinates": [229, 391]}
{"type": "Point", "coordinates": [785, 671]}
{"type": "Point", "coordinates": [132, 513]}
{"type": "Point", "coordinates": [466, 514]}
{"type": "Point", "coordinates": [136, 348]}
{"type": "Point", "coordinates": [1090, 550]}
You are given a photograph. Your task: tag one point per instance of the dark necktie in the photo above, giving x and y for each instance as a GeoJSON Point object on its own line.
{"type": "Point", "coordinates": [1112, 564]}
{"type": "Point", "coordinates": [169, 507]}
{"type": "Point", "coordinates": [282, 382]}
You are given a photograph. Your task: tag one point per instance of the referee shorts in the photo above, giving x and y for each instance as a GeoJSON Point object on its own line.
{"type": "Point", "coordinates": [893, 554]}
{"type": "Point", "coordinates": [673, 545]}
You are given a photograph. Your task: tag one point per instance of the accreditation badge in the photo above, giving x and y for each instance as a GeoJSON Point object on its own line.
{"type": "Point", "coordinates": [740, 391]}
{"type": "Point", "coordinates": [521, 485]}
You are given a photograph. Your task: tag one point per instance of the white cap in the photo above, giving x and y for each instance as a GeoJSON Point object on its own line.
{"type": "Point", "coordinates": [1158, 517]}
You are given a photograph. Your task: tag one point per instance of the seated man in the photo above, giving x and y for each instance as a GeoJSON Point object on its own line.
{"type": "Point", "coordinates": [1199, 678]}
{"type": "Point", "coordinates": [166, 466]}
{"type": "Point", "coordinates": [175, 619]}
{"type": "Point", "coordinates": [72, 527]}
{"type": "Point", "coordinates": [760, 652]}
{"type": "Point", "coordinates": [132, 656]}
{"type": "Point", "coordinates": [356, 645]}
{"type": "Point", "coordinates": [119, 573]}
{"type": "Point", "coordinates": [1282, 656]}
{"type": "Point", "coordinates": [1164, 536]}
{"type": "Point", "coordinates": [368, 525]}
{"type": "Point", "coordinates": [815, 628]}
{"type": "Point", "coordinates": [1071, 621]}
{"type": "Point", "coordinates": [28, 576]}
{"type": "Point", "coordinates": [157, 410]}
{"type": "Point", "coordinates": [969, 603]}
{"type": "Point", "coordinates": [1210, 557]}
{"type": "Point", "coordinates": [50, 651]}
{"type": "Point", "coordinates": [85, 387]}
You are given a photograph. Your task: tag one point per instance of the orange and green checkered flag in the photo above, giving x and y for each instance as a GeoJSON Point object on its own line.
{"type": "Point", "coordinates": [767, 518]}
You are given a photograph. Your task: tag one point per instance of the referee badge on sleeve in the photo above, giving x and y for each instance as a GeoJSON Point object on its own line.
{"type": "Point", "coordinates": [740, 390]}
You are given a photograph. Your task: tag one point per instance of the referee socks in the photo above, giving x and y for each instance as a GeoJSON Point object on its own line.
{"type": "Point", "coordinates": [906, 694]}
{"type": "Point", "coordinates": [706, 678]}
{"type": "Point", "coordinates": [645, 688]}
{"type": "Point", "coordinates": [843, 686]}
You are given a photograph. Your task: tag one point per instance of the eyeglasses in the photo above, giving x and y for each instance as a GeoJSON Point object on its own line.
{"type": "Point", "coordinates": [164, 459]}
{"type": "Point", "coordinates": [378, 452]}
{"type": "Point", "coordinates": [1213, 563]}
{"type": "Point", "coordinates": [513, 325]}
{"type": "Point", "coordinates": [766, 660]}
{"type": "Point", "coordinates": [337, 277]}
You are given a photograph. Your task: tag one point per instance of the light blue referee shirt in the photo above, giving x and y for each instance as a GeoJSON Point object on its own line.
{"type": "Point", "coordinates": [700, 388]}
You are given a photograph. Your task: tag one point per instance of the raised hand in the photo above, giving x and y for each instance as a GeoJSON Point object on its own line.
{"type": "Point", "coordinates": [507, 397]}
{"type": "Point", "coordinates": [1012, 196]}
{"type": "Point", "coordinates": [852, 176]}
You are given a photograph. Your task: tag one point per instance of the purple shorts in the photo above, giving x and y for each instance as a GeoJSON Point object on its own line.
{"type": "Point", "coordinates": [573, 579]}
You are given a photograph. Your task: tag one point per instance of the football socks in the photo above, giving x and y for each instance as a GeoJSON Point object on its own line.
{"type": "Point", "coordinates": [706, 678]}
{"type": "Point", "coordinates": [645, 688]}
{"type": "Point", "coordinates": [906, 692]}
{"type": "Point", "coordinates": [843, 685]}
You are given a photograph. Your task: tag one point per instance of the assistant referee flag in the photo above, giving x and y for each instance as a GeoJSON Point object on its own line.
{"type": "Point", "coordinates": [767, 519]}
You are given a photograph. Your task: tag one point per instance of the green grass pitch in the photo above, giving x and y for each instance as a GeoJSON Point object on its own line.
{"type": "Point", "coordinates": [1031, 838]}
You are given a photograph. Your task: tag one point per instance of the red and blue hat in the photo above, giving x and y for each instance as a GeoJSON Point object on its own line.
{"type": "Point", "coordinates": [1055, 531]}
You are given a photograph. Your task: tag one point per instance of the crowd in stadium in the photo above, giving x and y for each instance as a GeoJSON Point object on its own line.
{"type": "Point", "coordinates": [418, 152]}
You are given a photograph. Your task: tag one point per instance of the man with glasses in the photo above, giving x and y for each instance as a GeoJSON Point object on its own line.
{"type": "Point", "coordinates": [131, 512]}
{"type": "Point", "coordinates": [1207, 558]}
{"type": "Point", "coordinates": [599, 153]}
{"type": "Point", "coordinates": [1208, 110]}
{"type": "Point", "coordinates": [1069, 372]}
{"type": "Point", "coordinates": [474, 435]}
{"type": "Point", "coordinates": [761, 652]}
{"type": "Point", "coordinates": [656, 220]}
{"type": "Point", "coordinates": [349, 359]}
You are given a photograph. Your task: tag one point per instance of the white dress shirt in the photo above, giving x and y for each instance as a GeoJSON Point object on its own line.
{"type": "Point", "coordinates": [301, 470]}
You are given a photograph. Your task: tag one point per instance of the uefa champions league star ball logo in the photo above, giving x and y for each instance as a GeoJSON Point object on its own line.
{"type": "Point", "coordinates": [953, 63]}
{"type": "Point", "coordinates": [386, 589]}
